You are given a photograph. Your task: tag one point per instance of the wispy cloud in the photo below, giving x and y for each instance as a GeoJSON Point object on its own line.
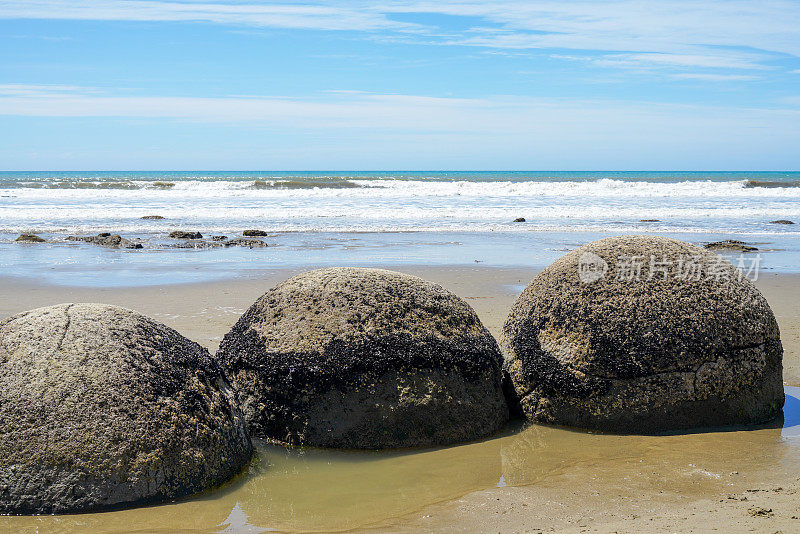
{"type": "Point", "coordinates": [357, 109]}
{"type": "Point", "coordinates": [714, 77]}
{"type": "Point", "coordinates": [725, 60]}
{"type": "Point", "coordinates": [296, 16]}
{"type": "Point", "coordinates": [359, 130]}
{"type": "Point", "coordinates": [42, 90]}
{"type": "Point", "coordinates": [628, 34]}
{"type": "Point", "coordinates": [673, 26]}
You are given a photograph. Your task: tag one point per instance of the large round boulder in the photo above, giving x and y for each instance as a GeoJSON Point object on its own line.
{"type": "Point", "coordinates": [364, 359]}
{"type": "Point", "coordinates": [643, 334]}
{"type": "Point", "coordinates": [102, 407]}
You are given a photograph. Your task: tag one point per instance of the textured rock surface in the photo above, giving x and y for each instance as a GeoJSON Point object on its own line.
{"type": "Point", "coordinates": [195, 243]}
{"type": "Point", "coordinates": [180, 234]}
{"type": "Point", "coordinates": [30, 238]}
{"type": "Point", "coordinates": [663, 352]}
{"type": "Point", "coordinates": [107, 240]}
{"type": "Point", "coordinates": [731, 245]}
{"type": "Point", "coordinates": [102, 407]}
{"type": "Point", "coordinates": [243, 242]}
{"type": "Point", "coordinates": [255, 233]}
{"type": "Point", "coordinates": [364, 358]}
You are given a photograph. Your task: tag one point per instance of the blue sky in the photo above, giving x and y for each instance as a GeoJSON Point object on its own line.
{"type": "Point", "coordinates": [157, 84]}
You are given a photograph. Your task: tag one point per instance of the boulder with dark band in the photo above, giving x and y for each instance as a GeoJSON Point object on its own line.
{"type": "Point", "coordinates": [596, 341]}
{"type": "Point", "coordinates": [364, 359]}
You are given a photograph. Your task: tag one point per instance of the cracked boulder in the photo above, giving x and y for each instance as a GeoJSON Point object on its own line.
{"type": "Point", "coordinates": [643, 334]}
{"type": "Point", "coordinates": [364, 359]}
{"type": "Point", "coordinates": [102, 407]}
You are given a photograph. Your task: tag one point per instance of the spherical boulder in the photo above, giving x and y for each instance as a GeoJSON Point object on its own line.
{"type": "Point", "coordinates": [102, 408]}
{"type": "Point", "coordinates": [643, 334]}
{"type": "Point", "coordinates": [364, 359]}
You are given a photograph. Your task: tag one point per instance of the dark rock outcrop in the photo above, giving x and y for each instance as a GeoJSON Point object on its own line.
{"type": "Point", "coordinates": [366, 359]}
{"type": "Point", "coordinates": [195, 243]}
{"type": "Point", "coordinates": [781, 221]}
{"type": "Point", "coordinates": [153, 218]}
{"type": "Point", "coordinates": [596, 342]}
{"type": "Point", "coordinates": [255, 233]}
{"type": "Point", "coordinates": [180, 234]}
{"type": "Point", "coordinates": [30, 238]}
{"type": "Point", "coordinates": [242, 242]}
{"type": "Point", "coordinates": [731, 245]}
{"type": "Point", "coordinates": [107, 240]}
{"type": "Point", "coordinates": [519, 219]}
{"type": "Point", "coordinates": [102, 407]}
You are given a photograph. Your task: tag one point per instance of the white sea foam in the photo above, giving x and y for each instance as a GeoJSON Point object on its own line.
{"type": "Point", "coordinates": [324, 204]}
{"type": "Point", "coordinates": [412, 188]}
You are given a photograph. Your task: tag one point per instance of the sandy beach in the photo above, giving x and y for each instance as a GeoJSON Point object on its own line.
{"type": "Point", "coordinates": [525, 480]}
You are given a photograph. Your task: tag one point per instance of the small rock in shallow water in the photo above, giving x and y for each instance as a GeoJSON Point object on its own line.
{"type": "Point", "coordinates": [519, 219]}
{"type": "Point", "coordinates": [195, 243]}
{"type": "Point", "coordinates": [103, 408]}
{"type": "Point", "coordinates": [731, 245]}
{"type": "Point", "coordinates": [649, 220]}
{"type": "Point", "coordinates": [255, 233]}
{"type": "Point", "coordinates": [249, 243]}
{"type": "Point", "coordinates": [107, 240]}
{"type": "Point", "coordinates": [781, 221]}
{"type": "Point", "coordinates": [30, 238]}
{"type": "Point", "coordinates": [365, 359]}
{"type": "Point", "coordinates": [180, 234]}
{"type": "Point", "coordinates": [219, 237]}
{"type": "Point", "coordinates": [152, 217]}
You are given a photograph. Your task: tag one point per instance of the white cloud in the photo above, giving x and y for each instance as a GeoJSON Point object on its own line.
{"type": "Point", "coordinates": [672, 26]}
{"type": "Point", "coordinates": [669, 34]}
{"type": "Point", "coordinates": [295, 16]}
{"type": "Point", "coordinates": [367, 130]}
{"type": "Point", "coordinates": [48, 90]}
{"type": "Point", "coordinates": [731, 60]}
{"type": "Point", "coordinates": [714, 77]}
{"type": "Point", "coordinates": [502, 115]}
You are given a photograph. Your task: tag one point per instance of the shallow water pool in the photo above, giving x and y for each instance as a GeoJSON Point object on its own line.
{"type": "Point", "coordinates": [296, 490]}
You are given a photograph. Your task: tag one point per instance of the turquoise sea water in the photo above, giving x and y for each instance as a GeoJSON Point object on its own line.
{"type": "Point", "coordinates": [365, 218]}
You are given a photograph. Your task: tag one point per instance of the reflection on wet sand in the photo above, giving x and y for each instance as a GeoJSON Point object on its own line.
{"type": "Point", "coordinates": [318, 490]}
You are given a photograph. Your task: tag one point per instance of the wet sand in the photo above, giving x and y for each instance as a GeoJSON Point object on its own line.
{"type": "Point", "coordinates": [528, 479]}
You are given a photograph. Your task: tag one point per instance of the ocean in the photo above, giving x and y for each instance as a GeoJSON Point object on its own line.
{"type": "Point", "coordinates": [365, 218]}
